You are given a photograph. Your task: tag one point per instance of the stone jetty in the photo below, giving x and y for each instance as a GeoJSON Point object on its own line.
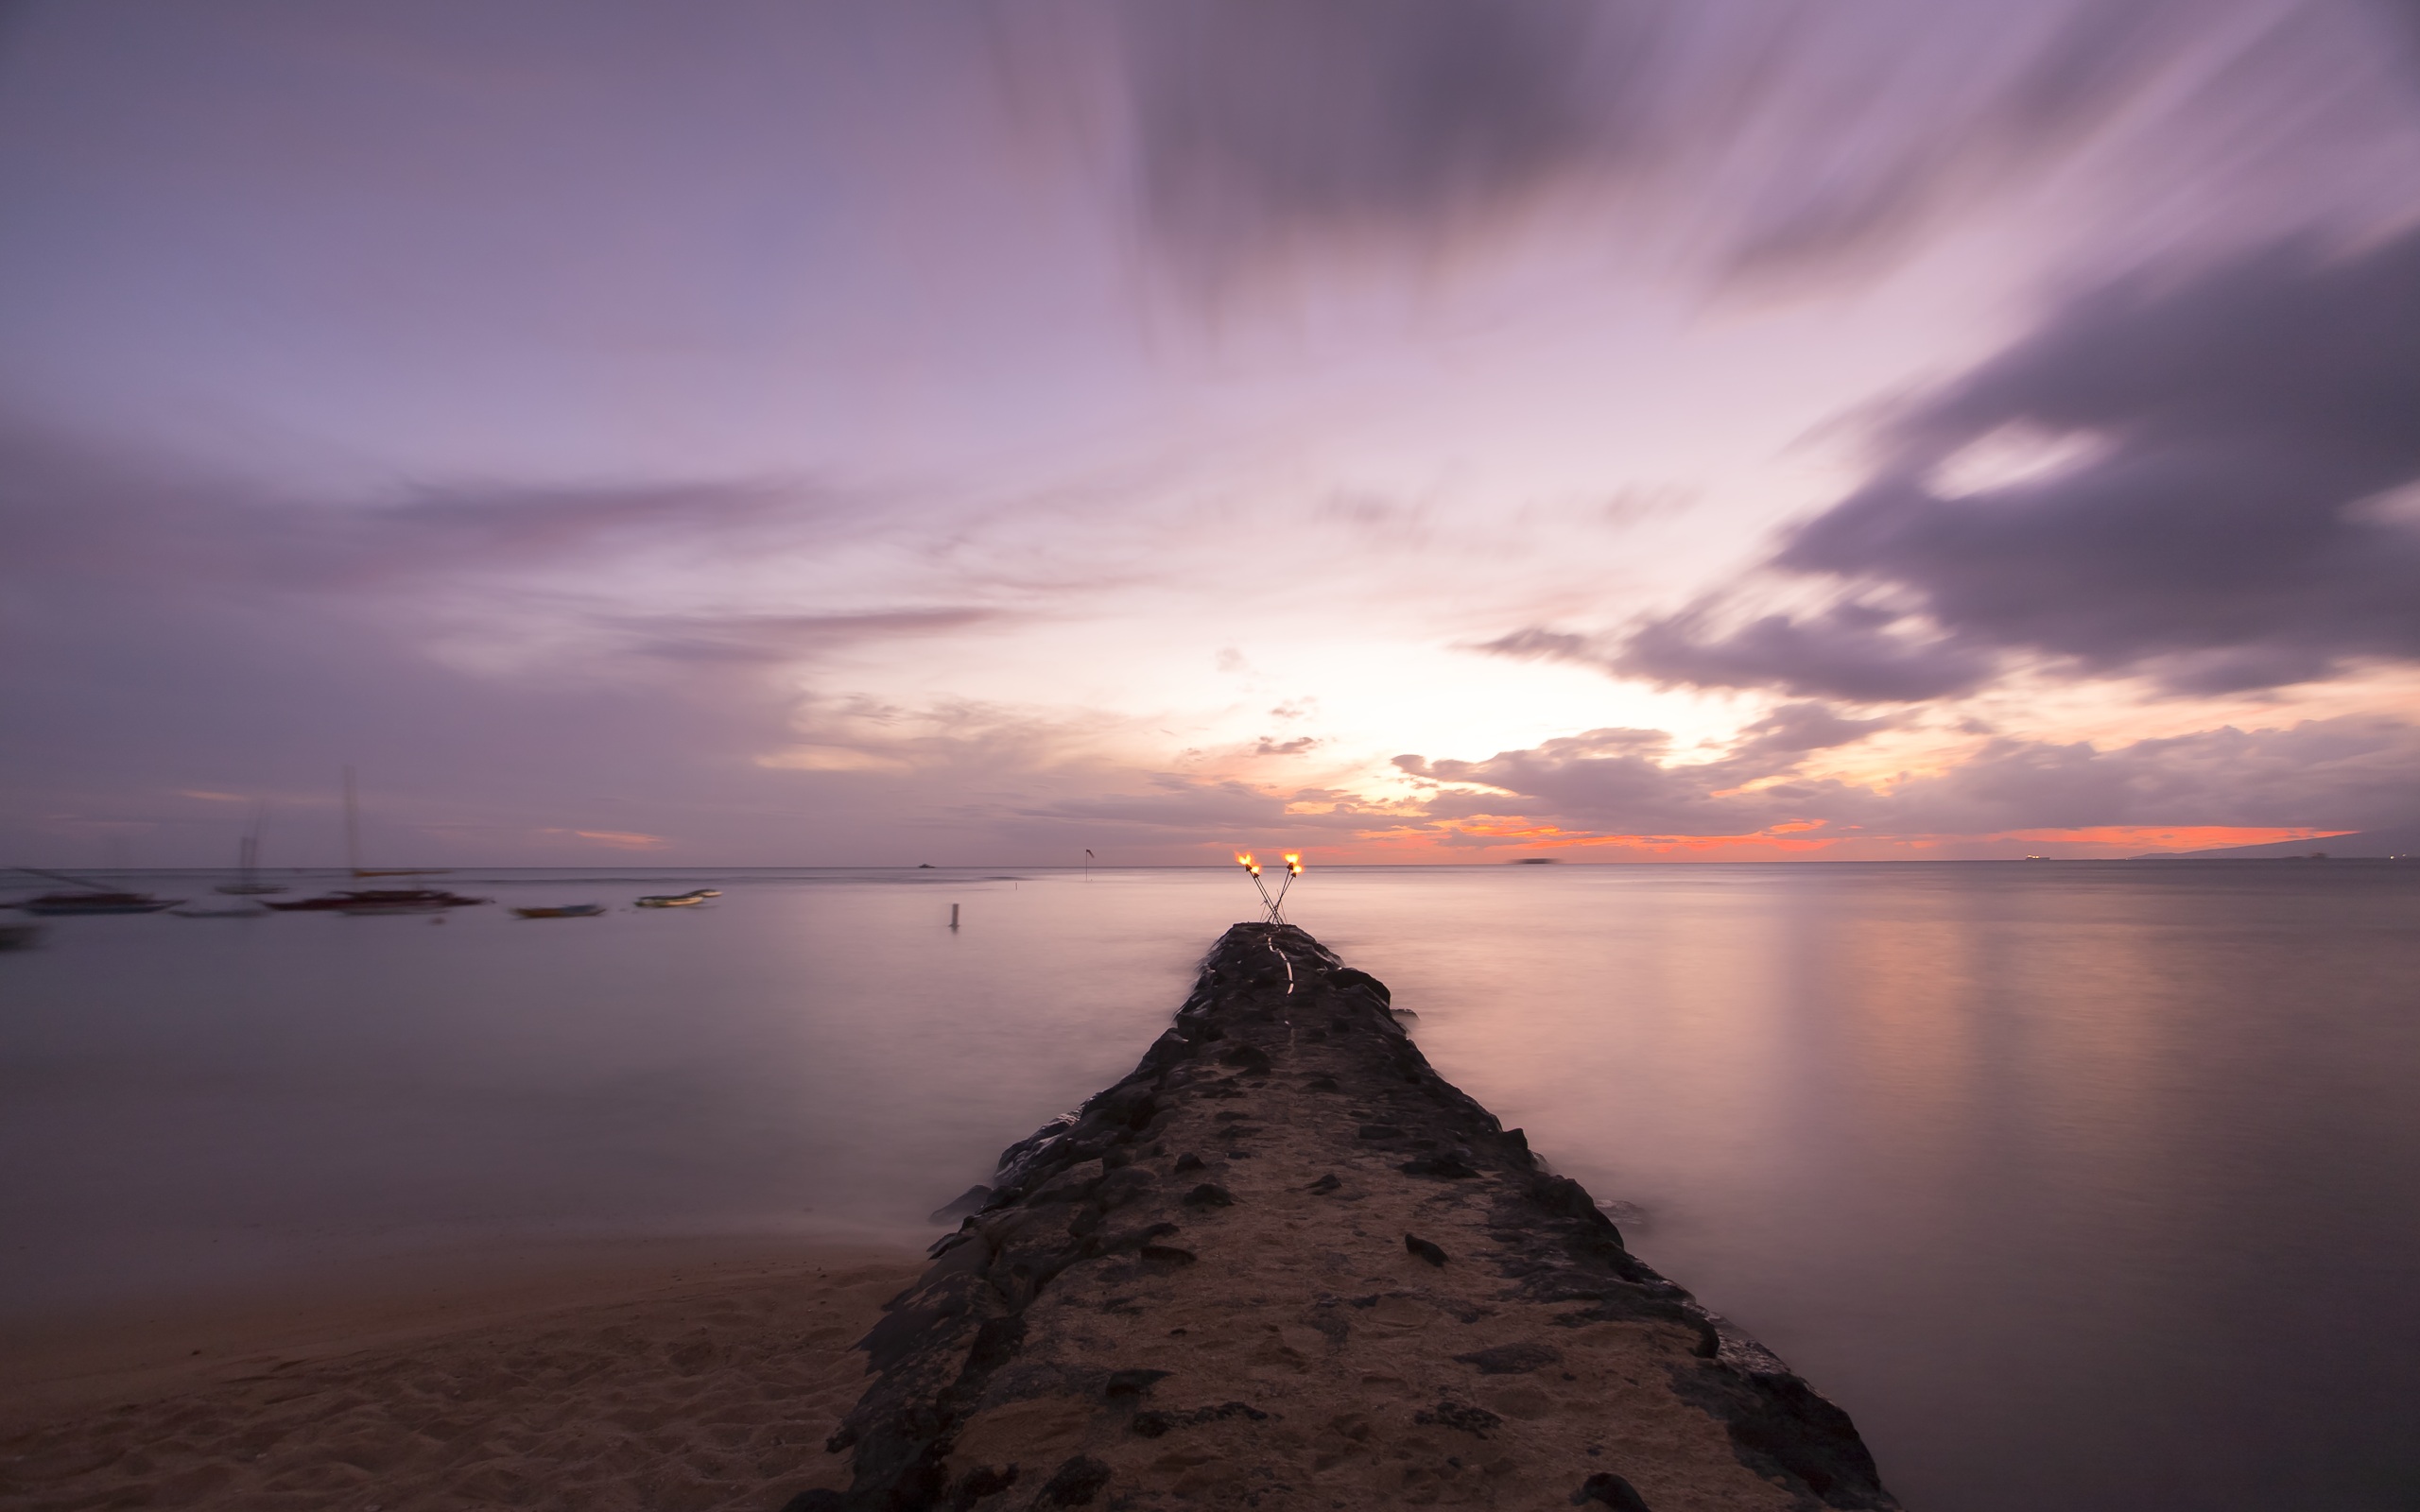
{"type": "Point", "coordinates": [1284, 1265]}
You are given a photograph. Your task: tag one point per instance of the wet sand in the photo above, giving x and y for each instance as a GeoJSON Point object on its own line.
{"type": "Point", "coordinates": [661, 1375]}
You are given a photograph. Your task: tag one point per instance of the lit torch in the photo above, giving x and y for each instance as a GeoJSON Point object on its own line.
{"type": "Point", "coordinates": [1251, 868]}
{"type": "Point", "coordinates": [1293, 870]}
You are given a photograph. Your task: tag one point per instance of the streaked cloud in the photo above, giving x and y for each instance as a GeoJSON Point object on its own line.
{"type": "Point", "coordinates": [2222, 531]}
{"type": "Point", "coordinates": [1761, 143]}
{"type": "Point", "coordinates": [1258, 125]}
{"type": "Point", "coordinates": [2352, 772]}
{"type": "Point", "coordinates": [881, 434]}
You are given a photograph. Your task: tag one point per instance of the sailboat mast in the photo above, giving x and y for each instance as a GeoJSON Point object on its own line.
{"type": "Point", "coordinates": [352, 827]}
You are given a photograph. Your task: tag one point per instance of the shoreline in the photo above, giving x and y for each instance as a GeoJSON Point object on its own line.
{"type": "Point", "coordinates": [679, 1375]}
{"type": "Point", "coordinates": [1282, 1262]}
{"type": "Point", "coordinates": [63, 1361]}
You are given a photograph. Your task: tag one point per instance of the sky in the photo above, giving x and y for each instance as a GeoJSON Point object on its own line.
{"type": "Point", "coordinates": [1394, 430]}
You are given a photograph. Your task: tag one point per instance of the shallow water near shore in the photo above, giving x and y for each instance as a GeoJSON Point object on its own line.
{"type": "Point", "coordinates": [2094, 1185]}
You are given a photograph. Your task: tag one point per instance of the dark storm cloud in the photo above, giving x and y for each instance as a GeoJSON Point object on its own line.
{"type": "Point", "coordinates": [1257, 120]}
{"type": "Point", "coordinates": [1778, 139]}
{"type": "Point", "coordinates": [2354, 772]}
{"type": "Point", "coordinates": [2230, 526]}
{"type": "Point", "coordinates": [172, 630]}
{"type": "Point", "coordinates": [1848, 650]}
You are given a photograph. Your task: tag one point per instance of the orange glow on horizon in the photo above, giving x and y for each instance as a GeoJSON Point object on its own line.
{"type": "Point", "coordinates": [1490, 838]}
{"type": "Point", "coordinates": [2157, 837]}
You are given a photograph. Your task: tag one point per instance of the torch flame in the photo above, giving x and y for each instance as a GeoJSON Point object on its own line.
{"type": "Point", "coordinates": [1251, 868]}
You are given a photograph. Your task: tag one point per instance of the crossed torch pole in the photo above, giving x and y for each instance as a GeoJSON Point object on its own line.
{"type": "Point", "coordinates": [1275, 905]}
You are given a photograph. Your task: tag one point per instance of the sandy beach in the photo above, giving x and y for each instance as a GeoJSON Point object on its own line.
{"type": "Point", "coordinates": [1281, 1264]}
{"type": "Point", "coordinates": [682, 1375]}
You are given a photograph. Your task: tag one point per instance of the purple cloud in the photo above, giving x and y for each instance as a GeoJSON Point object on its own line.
{"type": "Point", "coordinates": [171, 630]}
{"type": "Point", "coordinates": [2224, 535]}
{"type": "Point", "coordinates": [1779, 141]}
{"type": "Point", "coordinates": [2352, 772]}
{"type": "Point", "coordinates": [1258, 124]}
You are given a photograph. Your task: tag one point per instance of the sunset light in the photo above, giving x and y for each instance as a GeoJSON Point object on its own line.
{"type": "Point", "coordinates": [1096, 483]}
{"type": "Point", "coordinates": [635, 637]}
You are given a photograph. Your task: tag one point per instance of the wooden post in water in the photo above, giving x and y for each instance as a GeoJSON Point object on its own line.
{"type": "Point", "coordinates": [953, 916]}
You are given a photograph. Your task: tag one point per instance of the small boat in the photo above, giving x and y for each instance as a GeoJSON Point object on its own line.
{"type": "Point", "coordinates": [376, 901]}
{"type": "Point", "coordinates": [97, 902]}
{"type": "Point", "coordinates": [678, 899]}
{"type": "Point", "coordinates": [374, 905]}
{"type": "Point", "coordinates": [565, 911]}
{"type": "Point", "coordinates": [89, 898]}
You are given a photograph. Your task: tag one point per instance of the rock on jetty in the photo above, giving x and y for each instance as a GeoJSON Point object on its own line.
{"type": "Point", "coordinates": [1285, 1265]}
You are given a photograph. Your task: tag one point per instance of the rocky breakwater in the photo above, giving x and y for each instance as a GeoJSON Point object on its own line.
{"type": "Point", "coordinates": [1285, 1265]}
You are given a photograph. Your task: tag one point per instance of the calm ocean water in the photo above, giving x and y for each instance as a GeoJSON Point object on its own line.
{"type": "Point", "coordinates": [2080, 1185]}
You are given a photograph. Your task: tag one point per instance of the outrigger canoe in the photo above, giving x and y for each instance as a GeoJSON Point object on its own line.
{"type": "Point", "coordinates": [376, 901]}
{"type": "Point", "coordinates": [88, 898]}
{"type": "Point", "coordinates": [565, 911]}
{"type": "Point", "coordinates": [678, 899]}
{"type": "Point", "coordinates": [97, 902]}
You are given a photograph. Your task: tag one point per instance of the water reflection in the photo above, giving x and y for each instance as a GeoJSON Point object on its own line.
{"type": "Point", "coordinates": [2088, 1186]}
